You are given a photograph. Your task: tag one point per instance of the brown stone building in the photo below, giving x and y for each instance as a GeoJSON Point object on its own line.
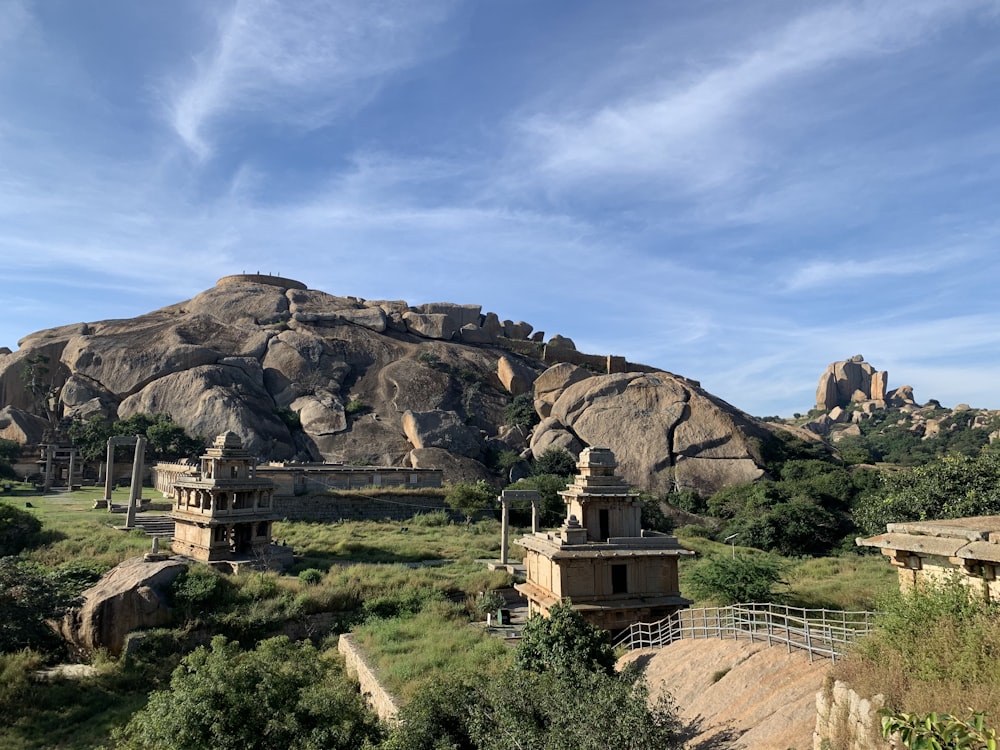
{"type": "Point", "coordinates": [223, 512]}
{"type": "Point", "coordinates": [930, 551]}
{"type": "Point", "coordinates": [613, 571]}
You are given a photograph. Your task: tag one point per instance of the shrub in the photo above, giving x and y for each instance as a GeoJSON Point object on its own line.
{"type": "Point", "coordinates": [564, 643]}
{"type": "Point", "coordinates": [431, 519]}
{"type": "Point", "coordinates": [311, 576]}
{"type": "Point", "coordinates": [355, 406]}
{"type": "Point", "coordinates": [736, 580]}
{"type": "Point", "coordinates": [19, 530]}
{"type": "Point", "coordinates": [520, 412]}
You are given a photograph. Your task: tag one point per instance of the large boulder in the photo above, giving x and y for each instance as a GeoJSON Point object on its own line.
{"type": "Point", "coordinates": [552, 382]}
{"type": "Point", "coordinates": [21, 426]}
{"type": "Point", "coordinates": [516, 376]}
{"type": "Point", "coordinates": [130, 596]}
{"type": "Point", "coordinates": [455, 468]}
{"type": "Point", "coordinates": [551, 433]}
{"type": "Point", "coordinates": [850, 381]}
{"type": "Point", "coordinates": [442, 429]}
{"type": "Point", "coordinates": [666, 432]}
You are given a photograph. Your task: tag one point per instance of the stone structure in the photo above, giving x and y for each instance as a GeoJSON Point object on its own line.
{"type": "Point", "coordinates": [225, 512]}
{"type": "Point", "coordinates": [614, 572]}
{"type": "Point", "coordinates": [59, 464]}
{"type": "Point", "coordinates": [927, 551]}
{"type": "Point", "coordinates": [298, 479]}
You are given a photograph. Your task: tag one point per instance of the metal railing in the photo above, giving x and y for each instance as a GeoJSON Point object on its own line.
{"type": "Point", "coordinates": [820, 632]}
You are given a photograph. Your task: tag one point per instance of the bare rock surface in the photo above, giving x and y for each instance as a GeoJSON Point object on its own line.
{"type": "Point", "coordinates": [665, 430]}
{"type": "Point", "coordinates": [736, 694]}
{"type": "Point", "coordinates": [128, 597]}
{"type": "Point", "coordinates": [279, 364]}
{"type": "Point", "coordinates": [21, 426]}
{"type": "Point", "coordinates": [850, 381]}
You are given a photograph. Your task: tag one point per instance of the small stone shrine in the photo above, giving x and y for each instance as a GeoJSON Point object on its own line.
{"type": "Point", "coordinates": [224, 512]}
{"type": "Point", "coordinates": [613, 571]}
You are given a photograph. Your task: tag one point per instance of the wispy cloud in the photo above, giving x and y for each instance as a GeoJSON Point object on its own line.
{"type": "Point", "coordinates": [301, 62]}
{"type": "Point", "coordinates": [697, 131]}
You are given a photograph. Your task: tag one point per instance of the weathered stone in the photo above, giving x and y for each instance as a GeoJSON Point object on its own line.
{"type": "Point", "coordinates": [441, 429]}
{"type": "Point", "coordinates": [551, 433]}
{"type": "Point", "coordinates": [130, 596]}
{"type": "Point", "coordinates": [902, 396]}
{"type": "Point", "coordinates": [880, 382]}
{"type": "Point", "coordinates": [472, 334]}
{"type": "Point", "coordinates": [851, 430]}
{"type": "Point", "coordinates": [552, 382]}
{"type": "Point", "coordinates": [408, 385]}
{"type": "Point", "coordinates": [519, 330]}
{"type": "Point", "coordinates": [654, 422]}
{"type": "Point", "coordinates": [460, 315]}
{"type": "Point", "coordinates": [432, 326]}
{"type": "Point", "coordinates": [563, 342]}
{"type": "Point", "coordinates": [516, 376]}
{"type": "Point", "coordinates": [837, 414]}
{"type": "Point", "coordinates": [826, 392]}
{"type": "Point", "coordinates": [213, 399]}
{"type": "Point", "coordinates": [372, 318]}
{"type": "Point", "coordinates": [21, 426]}
{"type": "Point", "coordinates": [321, 413]}
{"type": "Point", "coordinates": [491, 325]}
{"type": "Point", "coordinates": [456, 468]}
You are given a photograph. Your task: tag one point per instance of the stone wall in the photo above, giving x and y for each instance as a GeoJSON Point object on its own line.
{"type": "Point", "coordinates": [846, 721]}
{"type": "Point", "coordinates": [346, 506]}
{"type": "Point", "coordinates": [381, 700]}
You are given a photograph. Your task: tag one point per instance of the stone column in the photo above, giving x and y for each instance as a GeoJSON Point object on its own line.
{"type": "Point", "coordinates": [135, 489]}
{"type": "Point", "coordinates": [109, 472]}
{"type": "Point", "coordinates": [534, 514]}
{"type": "Point", "coordinates": [47, 482]}
{"type": "Point", "coordinates": [72, 466]}
{"type": "Point", "coordinates": [504, 528]}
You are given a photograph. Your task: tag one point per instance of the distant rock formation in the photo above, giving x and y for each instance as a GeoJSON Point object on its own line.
{"type": "Point", "coordinates": [851, 381]}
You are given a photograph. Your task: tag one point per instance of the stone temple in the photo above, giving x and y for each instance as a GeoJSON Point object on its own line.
{"type": "Point", "coordinates": [225, 512]}
{"type": "Point", "coordinates": [614, 572]}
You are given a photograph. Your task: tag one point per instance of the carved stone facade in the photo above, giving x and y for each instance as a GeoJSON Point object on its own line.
{"type": "Point", "coordinates": [613, 571]}
{"type": "Point", "coordinates": [224, 512]}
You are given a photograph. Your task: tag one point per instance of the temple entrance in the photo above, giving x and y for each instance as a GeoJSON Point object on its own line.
{"type": "Point", "coordinates": [241, 539]}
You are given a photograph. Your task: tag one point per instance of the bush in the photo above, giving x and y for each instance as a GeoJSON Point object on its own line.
{"type": "Point", "coordinates": [469, 499]}
{"type": "Point", "coordinates": [311, 576]}
{"type": "Point", "coordinates": [564, 643]}
{"type": "Point", "coordinates": [431, 519]}
{"type": "Point", "coordinates": [296, 698]}
{"type": "Point", "coordinates": [736, 580]}
{"type": "Point", "coordinates": [557, 461]}
{"type": "Point", "coordinates": [521, 411]}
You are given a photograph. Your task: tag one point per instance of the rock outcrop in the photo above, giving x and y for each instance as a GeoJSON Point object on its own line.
{"type": "Point", "coordinates": [301, 374]}
{"type": "Point", "coordinates": [129, 597]}
{"type": "Point", "coordinates": [668, 433]}
{"type": "Point", "coordinates": [850, 381]}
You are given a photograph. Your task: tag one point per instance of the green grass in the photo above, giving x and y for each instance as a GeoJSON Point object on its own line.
{"type": "Point", "coordinates": [419, 649]}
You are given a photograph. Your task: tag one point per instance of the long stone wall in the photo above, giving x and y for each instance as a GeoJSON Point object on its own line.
{"type": "Point", "coordinates": [847, 721]}
{"type": "Point", "coordinates": [380, 699]}
{"type": "Point", "coordinates": [347, 506]}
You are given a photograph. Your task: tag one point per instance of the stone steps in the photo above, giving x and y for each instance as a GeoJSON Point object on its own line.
{"type": "Point", "coordinates": [160, 526]}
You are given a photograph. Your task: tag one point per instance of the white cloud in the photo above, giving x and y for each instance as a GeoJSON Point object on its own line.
{"type": "Point", "coordinates": [697, 131]}
{"type": "Point", "coordinates": [301, 62]}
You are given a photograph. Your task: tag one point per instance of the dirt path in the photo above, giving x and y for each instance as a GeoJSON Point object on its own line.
{"type": "Point", "coordinates": [737, 694]}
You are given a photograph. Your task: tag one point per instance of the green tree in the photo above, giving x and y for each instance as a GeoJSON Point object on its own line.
{"type": "Point", "coordinates": [557, 461]}
{"type": "Point", "coordinates": [29, 598]}
{"type": "Point", "coordinates": [564, 642]}
{"type": "Point", "coordinates": [520, 412]}
{"type": "Point", "coordinates": [279, 695]}
{"type": "Point", "coordinates": [953, 486]}
{"type": "Point", "coordinates": [10, 451]}
{"type": "Point", "coordinates": [469, 498]}
{"type": "Point", "coordinates": [552, 508]}
{"type": "Point", "coordinates": [743, 579]}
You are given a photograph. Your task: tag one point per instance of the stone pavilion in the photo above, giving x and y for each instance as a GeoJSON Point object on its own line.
{"type": "Point", "coordinates": [614, 572]}
{"type": "Point", "coordinates": [224, 512]}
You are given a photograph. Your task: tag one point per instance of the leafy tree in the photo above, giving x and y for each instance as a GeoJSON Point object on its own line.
{"type": "Point", "coordinates": [565, 643]}
{"type": "Point", "coordinates": [552, 508]}
{"type": "Point", "coordinates": [279, 695]}
{"type": "Point", "coordinates": [29, 598]}
{"type": "Point", "coordinates": [950, 487]}
{"type": "Point", "coordinates": [468, 498]}
{"type": "Point", "coordinates": [520, 412]}
{"type": "Point", "coordinates": [742, 579]}
{"type": "Point", "coordinates": [18, 529]}
{"type": "Point", "coordinates": [557, 461]}
{"type": "Point", "coordinates": [166, 440]}
{"type": "Point", "coordinates": [544, 710]}
{"type": "Point", "coordinates": [10, 451]}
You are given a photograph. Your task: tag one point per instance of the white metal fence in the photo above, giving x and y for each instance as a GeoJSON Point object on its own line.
{"type": "Point", "coordinates": [821, 632]}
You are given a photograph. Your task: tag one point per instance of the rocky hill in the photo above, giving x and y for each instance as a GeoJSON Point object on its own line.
{"type": "Point", "coordinates": [302, 374]}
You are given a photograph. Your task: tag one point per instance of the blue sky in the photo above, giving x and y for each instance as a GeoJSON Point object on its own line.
{"type": "Point", "coordinates": [737, 191]}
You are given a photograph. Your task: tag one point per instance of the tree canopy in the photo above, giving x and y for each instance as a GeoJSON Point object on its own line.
{"type": "Point", "coordinates": [564, 642]}
{"type": "Point", "coordinates": [279, 695]}
{"type": "Point", "coordinates": [735, 580]}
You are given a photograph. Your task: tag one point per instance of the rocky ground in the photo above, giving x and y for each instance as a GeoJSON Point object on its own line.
{"type": "Point", "coordinates": [738, 695]}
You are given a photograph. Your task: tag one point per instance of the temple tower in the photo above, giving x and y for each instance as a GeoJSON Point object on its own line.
{"type": "Point", "coordinates": [224, 512]}
{"type": "Point", "coordinates": [614, 572]}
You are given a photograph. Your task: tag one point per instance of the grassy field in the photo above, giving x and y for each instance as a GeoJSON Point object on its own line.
{"type": "Point", "coordinates": [405, 588]}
